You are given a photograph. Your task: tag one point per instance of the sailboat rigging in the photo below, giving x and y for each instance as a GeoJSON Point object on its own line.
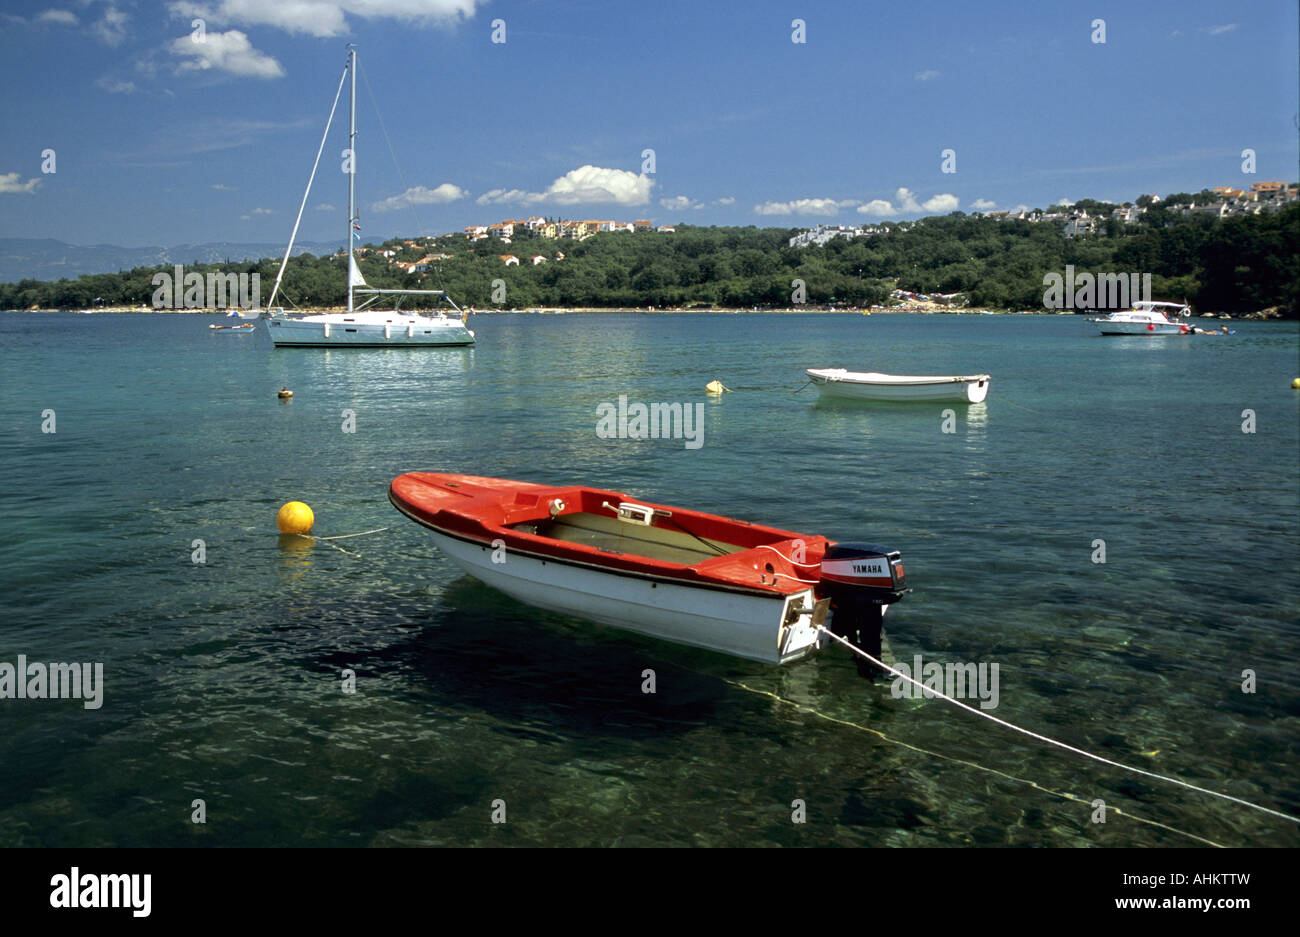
{"type": "Point", "coordinates": [361, 326]}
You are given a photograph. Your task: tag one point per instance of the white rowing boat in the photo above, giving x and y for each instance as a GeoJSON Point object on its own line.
{"type": "Point", "coordinates": [872, 385]}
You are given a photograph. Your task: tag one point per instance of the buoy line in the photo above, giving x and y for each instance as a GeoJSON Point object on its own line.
{"type": "Point", "coordinates": [1051, 741]}
{"type": "Point", "coordinates": [1064, 795]}
{"type": "Point", "coordinates": [346, 536]}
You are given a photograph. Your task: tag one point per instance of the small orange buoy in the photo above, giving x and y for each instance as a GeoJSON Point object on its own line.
{"type": "Point", "coordinates": [295, 518]}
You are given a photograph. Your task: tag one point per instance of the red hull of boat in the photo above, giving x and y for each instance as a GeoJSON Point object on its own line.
{"type": "Point", "coordinates": [487, 511]}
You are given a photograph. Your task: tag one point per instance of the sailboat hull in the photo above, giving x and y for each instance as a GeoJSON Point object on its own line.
{"type": "Point", "coordinates": [333, 331]}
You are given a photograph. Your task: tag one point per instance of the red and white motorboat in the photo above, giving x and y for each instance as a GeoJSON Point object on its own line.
{"type": "Point", "coordinates": [1147, 318]}
{"type": "Point", "coordinates": [731, 586]}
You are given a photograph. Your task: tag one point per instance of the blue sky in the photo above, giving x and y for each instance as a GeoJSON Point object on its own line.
{"type": "Point", "coordinates": [159, 139]}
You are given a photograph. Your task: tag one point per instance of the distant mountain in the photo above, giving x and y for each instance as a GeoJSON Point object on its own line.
{"type": "Point", "coordinates": [46, 259]}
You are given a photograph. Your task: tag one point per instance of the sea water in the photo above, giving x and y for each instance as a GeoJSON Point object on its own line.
{"type": "Point", "coordinates": [1173, 459]}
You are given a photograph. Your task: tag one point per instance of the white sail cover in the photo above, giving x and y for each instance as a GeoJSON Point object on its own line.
{"type": "Point", "coordinates": [354, 274]}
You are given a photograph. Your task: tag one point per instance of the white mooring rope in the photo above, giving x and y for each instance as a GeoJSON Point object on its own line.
{"type": "Point", "coordinates": [326, 540]}
{"type": "Point", "coordinates": [1043, 738]}
{"type": "Point", "coordinates": [1064, 795]}
{"type": "Point", "coordinates": [346, 536]}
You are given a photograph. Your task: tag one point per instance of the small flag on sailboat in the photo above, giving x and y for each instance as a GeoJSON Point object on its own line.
{"type": "Point", "coordinates": [355, 228]}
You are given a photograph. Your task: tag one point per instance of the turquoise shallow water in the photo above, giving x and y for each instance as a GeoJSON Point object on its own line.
{"type": "Point", "coordinates": [222, 680]}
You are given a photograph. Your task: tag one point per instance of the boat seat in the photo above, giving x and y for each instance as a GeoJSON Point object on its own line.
{"type": "Point", "coordinates": [609, 533]}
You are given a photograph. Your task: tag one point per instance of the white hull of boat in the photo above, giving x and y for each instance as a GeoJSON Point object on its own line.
{"type": "Point", "coordinates": [716, 619]}
{"type": "Point", "coordinates": [1141, 328]}
{"type": "Point", "coordinates": [1146, 318]}
{"type": "Point", "coordinates": [365, 330]}
{"type": "Point", "coordinates": [871, 385]}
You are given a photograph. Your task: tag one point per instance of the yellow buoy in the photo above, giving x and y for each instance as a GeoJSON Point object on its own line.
{"type": "Point", "coordinates": [715, 387]}
{"type": "Point", "coordinates": [1296, 383]}
{"type": "Point", "coordinates": [295, 518]}
{"type": "Point", "coordinates": [284, 393]}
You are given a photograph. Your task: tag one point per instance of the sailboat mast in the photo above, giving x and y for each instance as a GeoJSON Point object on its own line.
{"type": "Point", "coordinates": [352, 165]}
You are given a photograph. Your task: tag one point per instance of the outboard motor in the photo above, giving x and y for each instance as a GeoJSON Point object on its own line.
{"type": "Point", "coordinates": [860, 579]}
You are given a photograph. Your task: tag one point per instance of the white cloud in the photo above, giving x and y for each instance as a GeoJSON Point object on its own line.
{"type": "Point", "coordinates": [584, 185]}
{"type": "Point", "coordinates": [1064, 201]}
{"type": "Point", "coordinates": [325, 206]}
{"type": "Point", "coordinates": [223, 188]}
{"type": "Point", "coordinates": [928, 75]}
{"type": "Point", "coordinates": [677, 203]}
{"type": "Point", "coordinates": [9, 183]}
{"type": "Point", "coordinates": [906, 200]}
{"type": "Point", "coordinates": [983, 204]}
{"type": "Point", "coordinates": [501, 196]}
{"type": "Point", "coordinates": [228, 52]}
{"type": "Point", "coordinates": [802, 206]}
{"type": "Point", "coordinates": [594, 184]}
{"type": "Point", "coordinates": [725, 200]}
{"type": "Point", "coordinates": [111, 28]}
{"type": "Point", "coordinates": [905, 203]}
{"type": "Point", "coordinates": [113, 86]}
{"type": "Point", "coordinates": [60, 17]}
{"type": "Point", "coordinates": [325, 17]}
{"type": "Point", "coordinates": [1220, 30]}
{"type": "Point", "coordinates": [420, 195]}
{"type": "Point", "coordinates": [941, 204]}
{"type": "Point", "coordinates": [263, 211]}
{"type": "Point", "coordinates": [877, 206]}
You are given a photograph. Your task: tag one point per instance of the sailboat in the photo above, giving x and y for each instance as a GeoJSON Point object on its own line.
{"type": "Point", "coordinates": [362, 326]}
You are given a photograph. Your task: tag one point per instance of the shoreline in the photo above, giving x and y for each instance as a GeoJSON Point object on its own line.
{"type": "Point", "coordinates": [593, 310]}
{"type": "Point", "coordinates": [908, 309]}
